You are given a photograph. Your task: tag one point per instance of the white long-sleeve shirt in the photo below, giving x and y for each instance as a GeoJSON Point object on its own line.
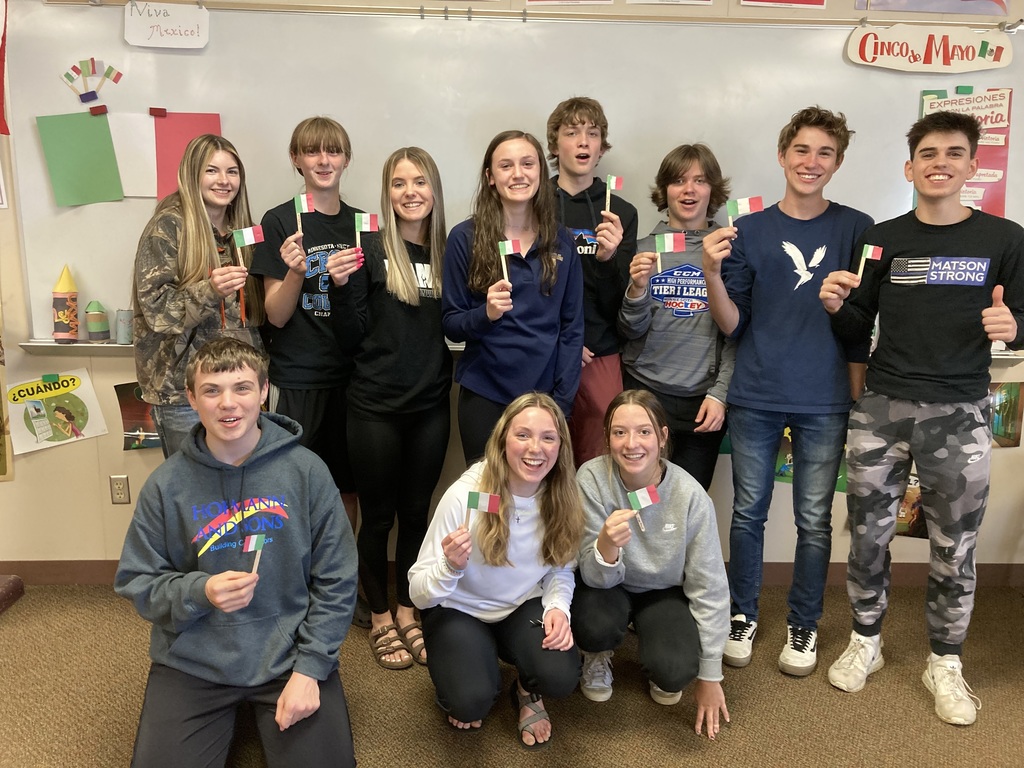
{"type": "Point", "coordinates": [486, 592]}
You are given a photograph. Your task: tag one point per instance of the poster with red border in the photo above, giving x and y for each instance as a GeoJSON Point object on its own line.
{"type": "Point", "coordinates": [987, 190]}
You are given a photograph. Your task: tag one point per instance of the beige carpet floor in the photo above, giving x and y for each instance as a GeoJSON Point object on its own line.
{"type": "Point", "coordinates": [73, 663]}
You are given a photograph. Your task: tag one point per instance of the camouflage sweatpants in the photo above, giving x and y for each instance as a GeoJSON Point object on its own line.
{"type": "Point", "coordinates": [951, 444]}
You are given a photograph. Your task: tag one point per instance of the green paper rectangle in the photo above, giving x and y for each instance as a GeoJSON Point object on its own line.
{"type": "Point", "coordinates": [80, 158]}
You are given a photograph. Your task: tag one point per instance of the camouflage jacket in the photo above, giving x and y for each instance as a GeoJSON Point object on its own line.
{"type": "Point", "coordinates": [172, 320]}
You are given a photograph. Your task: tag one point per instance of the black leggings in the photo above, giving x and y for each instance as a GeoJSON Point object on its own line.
{"type": "Point", "coordinates": [397, 462]}
{"type": "Point", "coordinates": [477, 417]}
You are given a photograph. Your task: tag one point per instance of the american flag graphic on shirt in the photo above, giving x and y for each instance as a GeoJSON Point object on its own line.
{"type": "Point", "coordinates": [909, 271]}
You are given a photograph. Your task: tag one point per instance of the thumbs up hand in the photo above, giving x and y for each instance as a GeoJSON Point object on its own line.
{"type": "Point", "coordinates": [998, 322]}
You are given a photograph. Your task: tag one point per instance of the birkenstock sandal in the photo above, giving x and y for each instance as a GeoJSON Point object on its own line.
{"type": "Point", "coordinates": [382, 646]}
{"type": "Point", "coordinates": [415, 645]}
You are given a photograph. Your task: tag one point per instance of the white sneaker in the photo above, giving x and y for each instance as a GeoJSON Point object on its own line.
{"type": "Point", "coordinates": [955, 702]}
{"type": "Point", "coordinates": [799, 657]}
{"type": "Point", "coordinates": [740, 645]}
{"type": "Point", "coordinates": [668, 698]}
{"type": "Point", "coordinates": [596, 680]}
{"type": "Point", "coordinates": [862, 657]}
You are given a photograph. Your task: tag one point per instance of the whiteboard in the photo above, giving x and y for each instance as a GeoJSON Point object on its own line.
{"type": "Point", "coordinates": [450, 86]}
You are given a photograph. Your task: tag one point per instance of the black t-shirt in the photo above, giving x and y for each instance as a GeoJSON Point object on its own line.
{"type": "Point", "coordinates": [404, 365]}
{"type": "Point", "coordinates": [316, 347]}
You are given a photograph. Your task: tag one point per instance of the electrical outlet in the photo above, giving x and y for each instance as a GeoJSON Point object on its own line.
{"type": "Point", "coordinates": [119, 491]}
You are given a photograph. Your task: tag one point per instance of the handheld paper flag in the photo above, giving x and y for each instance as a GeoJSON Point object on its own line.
{"type": "Point", "coordinates": [484, 502]}
{"type": "Point", "coordinates": [614, 182]}
{"type": "Point", "coordinates": [113, 74]}
{"type": "Point", "coordinates": [743, 206]}
{"type": "Point", "coordinates": [508, 247]}
{"type": "Point", "coordinates": [254, 543]}
{"type": "Point", "coordinates": [645, 497]}
{"type": "Point", "coordinates": [870, 253]}
{"type": "Point", "coordinates": [367, 222]}
{"type": "Point", "coordinates": [304, 204]}
{"type": "Point", "coordinates": [671, 242]}
{"type": "Point", "coordinates": [248, 236]}
{"type": "Point", "coordinates": [72, 74]}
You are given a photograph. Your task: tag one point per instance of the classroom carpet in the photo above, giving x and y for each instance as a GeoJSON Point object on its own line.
{"type": "Point", "coordinates": [73, 664]}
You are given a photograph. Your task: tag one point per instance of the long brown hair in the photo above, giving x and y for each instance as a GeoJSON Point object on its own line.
{"type": "Point", "coordinates": [489, 221]}
{"type": "Point", "coordinates": [557, 498]}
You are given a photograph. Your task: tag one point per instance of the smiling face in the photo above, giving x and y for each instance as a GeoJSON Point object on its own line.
{"type": "Point", "coordinates": [941, 165]}
{"type": "Point", "coordinates": [228, 404]}
{"type": "Point", "coordinates": [579, 149]}
{"type": "Point", "coordinates": [531, 450]}
{"type": "Point", "coordinates": [220, 183]}
{"type": "Point", "coordinates": [515, 171]}
{"type": "Point", "coordinates": [411, 195]}
{"type": "Point", "coordinates": [321, 168]}
{"type": "Point", "coordinates": [635, 445]}
{"type": "Point", "coordinates": [688, 198]}
{"type": "Point", "coordinates": [809, 162]}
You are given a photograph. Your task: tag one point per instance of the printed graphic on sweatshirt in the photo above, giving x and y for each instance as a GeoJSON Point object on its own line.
{"type": "Point", "coordinates": [424, 278]}
{"type": "Point", "coordinates": [802, 266]}
{"type": "Point", "coordinates": [319, 303]}
{"type": "Point", "coordinates": [939, 270]}
{"type": "Point", "coordinates": [226, 523]}
{"type": "Point", "coordinates": [681, 289]}
{"type": "Point", "coordinates": [585, 241]}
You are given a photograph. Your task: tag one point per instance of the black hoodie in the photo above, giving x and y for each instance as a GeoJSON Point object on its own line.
{"type": "Point", "coordinates": [604, 283]}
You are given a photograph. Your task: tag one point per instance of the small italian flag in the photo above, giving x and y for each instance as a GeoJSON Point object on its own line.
{"type": "Point", "coordinates": [248, 236]}
{"type": "Point", "coordinates": [671, 242]}
{"type": "Point", "coordinates": [990, 52]}
{"type": "Point", "coordinates": [871, 252]}
{"type": "Point", "coordinates": [304, 204]}
{"type": "Point", "coordinates": [88, 66]}
{"type": "Point", "coordinates": [508, 247]}
{"type": "Point", "coordinates": [72, 74]}
{"type": "Point", "coordinates": [744, 206]}
{"type": "Point", "coordinates": [645, 497]}
{"type": "Point", "coordinates": [254, 543]}
{"type": "Point", "coordinates": [484, 502]}
{"type": "Point", "coordinates": [113, 74]}
{"type": "Point", "coordinates": [614, 182]}
{"type": "Point", "coordinates": [367, 222]}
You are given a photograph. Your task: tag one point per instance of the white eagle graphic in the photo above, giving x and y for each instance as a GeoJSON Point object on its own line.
{"type": "Point", "coordinates": [802, 267]}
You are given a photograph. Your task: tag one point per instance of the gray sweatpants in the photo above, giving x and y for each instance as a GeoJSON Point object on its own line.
{"type": "Point", "coordinates": [951, 444]}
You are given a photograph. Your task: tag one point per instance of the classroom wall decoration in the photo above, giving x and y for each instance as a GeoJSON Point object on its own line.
{"type": "Point", "coordinates": [444, 86]}
{"type": "Point", "coordinates": [163, 25]}
{"type": "Point", "coordinates": [136, 418]}
{"type": "Point", "coordinates": [912, 48]}
{"type": "Point", "coordinates": [54, 409]}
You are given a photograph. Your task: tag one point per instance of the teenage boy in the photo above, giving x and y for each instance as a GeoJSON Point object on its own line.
{"type": "Point", "coordinates": [240, 504]}
{"type": "Point", "coordinates": [577, 136]}
{"type": "Point", "coordinates": [942, 289]}
{"type": "Point", "coordinates": [763, 276]}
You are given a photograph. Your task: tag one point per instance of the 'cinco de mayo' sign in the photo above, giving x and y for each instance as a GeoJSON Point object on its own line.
{"type": "Point", "coordinates": [923, 49]}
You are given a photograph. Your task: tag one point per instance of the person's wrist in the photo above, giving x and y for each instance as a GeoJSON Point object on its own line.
{"type": "Point", "coordinates": [451, 570]}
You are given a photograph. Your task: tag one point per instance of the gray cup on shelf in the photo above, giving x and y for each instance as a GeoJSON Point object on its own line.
{"type": "Point", "coordinates": [124, 326]}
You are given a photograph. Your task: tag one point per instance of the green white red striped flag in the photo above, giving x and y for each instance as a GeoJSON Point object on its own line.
{"type": "Point", "coordinates": [88, 66]}
{"type": "Point", "coordinates": [367, 222]}
{"type": "Point", "coordinates": [990, 52]}
{"type": "Point", "coordinates": [484, 502]}
{"type": "Point", "coordinates": [248, 236]}
{"type": "Point", "coordinates": [254, 543]}
{"type": "Point", "coordinates": [645, 497]}
{"type": "Point", "coordinates": [872, 252]}
{"type": "Point", "coordinates": [614, 182]}
{"type": "Point", "coordinates": [508, 247]}
{"type": "Point", "coordinates": [744, 205]}
{"type": "Point", "coordinates": [670, 242]}
{"type": "Point", "coordinates": [304, 204]}
{"type": "Point", "coordinates": [72, 74]}
{"type": "Point", "coordinates": [113, 74]}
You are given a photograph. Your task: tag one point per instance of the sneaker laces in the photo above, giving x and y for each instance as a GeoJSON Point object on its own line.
{"type": "Point", "coordinates": [738, 629]}
{"type": "Point", "coordinates": [949, 681]}
{"type": "Point", "coordinates": [598, 669]}
{"type": "Point", "coordinates": [857, 653]}
{"type": "Point", "coordinates": [800, 638]}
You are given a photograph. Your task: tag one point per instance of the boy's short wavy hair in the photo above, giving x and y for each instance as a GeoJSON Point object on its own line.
{"type": "Point", "coordinates": [832, 123]}
{"type": "Point", "coordinates": [226, 354]}
{"type": "Point", "coordinates": [579, 110]}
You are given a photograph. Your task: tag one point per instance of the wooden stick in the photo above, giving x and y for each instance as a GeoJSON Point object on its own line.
{"type": "Point", "coordinates": [504, 267]}
{"type": "Point", "coordinates": [659, 263]}
{"type": "Point", "coordinates": [860, 270]}
{"type": "Point", "coordinates": [358, 241]}
{"type": "Point", "coordinates": [256, 562]}
{"type": "Point", "coordinates": [608, 198]}
{"type": "Point", "coordinates": [298, 221]}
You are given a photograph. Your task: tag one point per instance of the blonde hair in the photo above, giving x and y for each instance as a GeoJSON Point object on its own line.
{"type": "Point", "coordinates": [557, 498]}
{"type": "Point", "coordinates": [319, 133]}
{"type": "Point", "coordinates": [401, 279]}
{"type": "Point", "coordinates": [197, 248]}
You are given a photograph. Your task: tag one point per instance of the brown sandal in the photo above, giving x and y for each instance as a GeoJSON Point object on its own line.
{"type": "Point", "coordinates": [382, 646]}
{"type": "Point", "coordinates": [415, 644]}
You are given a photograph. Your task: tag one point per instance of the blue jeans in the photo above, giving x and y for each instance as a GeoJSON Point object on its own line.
{"type": "Point", "coordinates": [817, 451]}
{"type": "Point", "coordinates": [173, 423]}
